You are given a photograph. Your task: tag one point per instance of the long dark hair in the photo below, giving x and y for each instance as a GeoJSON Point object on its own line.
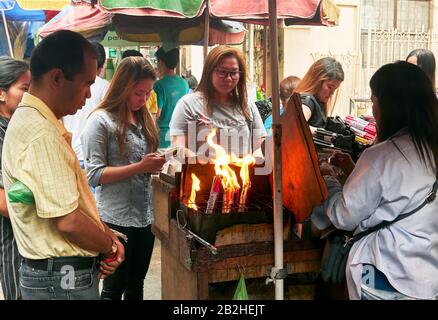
{"type": "Point", "coordinates": [10, 70]}
{"type": "Point", "coordinates": [426, 61]}
{"type": "Point", "coordinates": [407, 100]}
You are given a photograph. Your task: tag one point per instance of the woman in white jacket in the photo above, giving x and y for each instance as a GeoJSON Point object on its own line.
{"type": "Point", "coordinates": [391, 178]}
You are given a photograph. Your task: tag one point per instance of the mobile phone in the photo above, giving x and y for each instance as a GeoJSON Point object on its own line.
{"type": "Point", "coordinates": [167, 152]}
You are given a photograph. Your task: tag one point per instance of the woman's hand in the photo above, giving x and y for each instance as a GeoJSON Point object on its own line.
{"type": "Point", "coordinates": [152, 163]}
{"type": "Point", "coordinates": [327, 169]}
{"type": "Point", "coordinates": [343, 161]}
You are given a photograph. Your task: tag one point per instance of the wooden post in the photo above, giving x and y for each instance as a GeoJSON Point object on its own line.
{"type": "Point", "coordinates": [276, 128]}
{"type": "Point", "coordinates": [7, 34]}
{"type": "Point", "coordinates": [251, 53]}
{"type": "Point", "coordinates": [206, 28]}
{"type": "Point", "coordinates": [265, 60]}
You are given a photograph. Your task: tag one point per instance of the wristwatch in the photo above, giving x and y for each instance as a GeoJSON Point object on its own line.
{"type": "Point", "coordinates": [113, 249]}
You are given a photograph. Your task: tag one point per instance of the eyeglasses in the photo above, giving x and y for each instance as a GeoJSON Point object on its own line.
{"type": "Point", "coordinates": [222, 73]}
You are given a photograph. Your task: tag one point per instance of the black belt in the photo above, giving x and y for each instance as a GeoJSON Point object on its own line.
{"type": "Point", "coordinates": [77, 263]}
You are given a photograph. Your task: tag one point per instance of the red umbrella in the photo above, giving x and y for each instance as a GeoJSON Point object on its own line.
{"type": "Point", "coordinates": [93, 22]}
{"type": "Point", "coordinates": [89, 21]}
{"type": "Point", "coordinates": [293, 11]}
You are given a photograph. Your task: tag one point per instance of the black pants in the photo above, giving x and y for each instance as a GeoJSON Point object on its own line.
{"type": "Point", "coordinates": [129, 277]}
{"type": "Point", "coordinates": [10, 261]}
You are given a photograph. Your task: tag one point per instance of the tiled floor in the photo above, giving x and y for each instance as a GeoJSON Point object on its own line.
{"type": "Point", "coordinates": [152, 283]}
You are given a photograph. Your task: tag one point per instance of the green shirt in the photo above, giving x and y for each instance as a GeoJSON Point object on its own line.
{"type": "Point", "coordinates": [169, 90]}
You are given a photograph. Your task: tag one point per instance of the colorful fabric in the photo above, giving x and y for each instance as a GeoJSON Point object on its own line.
{"type": "Point", "coordinates": [184, 8]}
{"type": "Point", "coordinates": [152, 103]}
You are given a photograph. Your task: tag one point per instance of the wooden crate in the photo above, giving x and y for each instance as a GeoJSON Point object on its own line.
{"type": "Point", "coordinates": [188, 269]}
{"type": "Point", "coordinates": [165, 201]}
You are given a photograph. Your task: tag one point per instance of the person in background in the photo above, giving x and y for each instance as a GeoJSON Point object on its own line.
{"type": "Point", "coordinates": [118, 143]}
{"type": "Point", "coordinates": [192, 82]}
{"type": "Point", "coordinates": [14, 82]}
{"type": "Point", "coordinates": [317, 88]}
{"type": "Point", "coordinates": [61, 235]}
{"type": "Point", "coordinates": [151, 102]}
{"type": "Point", "coordinates": [221, 102]}
{"type": "Point", "coordinates": [170, 88]}
{"type": "Point", "coordinates": [75, 123]}
{"type": "Point", "coordinates": [287, 88]}
{"type": "Point", "coordinates": [131, 53]}
{"type": "Point", "coordinates": [425, 60]}
{"type": "Point", "coordinates": [391, 178]}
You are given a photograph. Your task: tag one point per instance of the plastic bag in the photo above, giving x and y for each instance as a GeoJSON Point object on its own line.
{"type": "Point", "coordinates": [241, 293]}
{"type": "Point", "coordinates": [20, 193]}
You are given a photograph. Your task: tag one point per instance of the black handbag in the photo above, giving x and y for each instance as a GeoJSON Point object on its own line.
{"type": "Point", "coordinates": [334, 264]}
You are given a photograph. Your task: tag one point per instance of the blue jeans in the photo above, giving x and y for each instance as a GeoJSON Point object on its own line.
{"type": "Point", "coordinates": [375, 286]}
{"type": "Point", "coordinates": [376, 294]}
{"type": "Point", "coordinates": [53, 285]}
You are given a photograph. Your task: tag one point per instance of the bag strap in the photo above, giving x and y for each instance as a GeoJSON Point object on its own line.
{"type": "Point", "coordinates": [430, 198]}
{"type": "Point", "coordinates": [249, 123]}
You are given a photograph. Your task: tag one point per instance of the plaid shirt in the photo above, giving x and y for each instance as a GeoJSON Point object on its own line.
{"type": "Point", "coordinates": [37, 152]}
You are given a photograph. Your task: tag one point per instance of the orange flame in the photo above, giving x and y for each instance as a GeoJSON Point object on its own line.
{"type": "Point", "coordinates": [221, 164]}
{"type": "Point", "coordinates": [196, 186]}
{"type": "Point", "coordinates": [244, 164]}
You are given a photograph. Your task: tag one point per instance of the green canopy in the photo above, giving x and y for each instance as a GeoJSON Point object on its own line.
{"type": "Point", "coordinates": [186, 8]}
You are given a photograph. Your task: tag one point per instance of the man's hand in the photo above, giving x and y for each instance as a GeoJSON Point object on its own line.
{"type": "Point", "coordinates": [109, 264]}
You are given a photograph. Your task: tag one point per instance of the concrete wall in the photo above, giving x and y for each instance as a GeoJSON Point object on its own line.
{"type": "Point", "coordinates": [302, 45]}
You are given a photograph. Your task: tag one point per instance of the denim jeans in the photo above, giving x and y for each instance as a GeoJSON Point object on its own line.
{"type": "Point", "coordinates": [53, 285]}
{"type": "Point", "coordinates": [368, 293]}
{"type": "Point", "coordinates": [375, 286]}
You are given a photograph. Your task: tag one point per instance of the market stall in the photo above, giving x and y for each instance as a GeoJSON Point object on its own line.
{"type": "Point", "coordinates": [210, 237]}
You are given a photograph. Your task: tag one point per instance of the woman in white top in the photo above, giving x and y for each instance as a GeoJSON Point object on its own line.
{"type": "Point", "coordinates": [221, 102]}
{"type": "Point", "coordinates": [392, 178]}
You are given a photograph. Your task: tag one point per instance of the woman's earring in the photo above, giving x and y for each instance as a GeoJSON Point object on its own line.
{"type": "Point", "coordinates": [2, 96]}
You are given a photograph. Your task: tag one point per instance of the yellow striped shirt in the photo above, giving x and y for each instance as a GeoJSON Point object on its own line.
{"type": "Point", "coordinates": [37, 152]}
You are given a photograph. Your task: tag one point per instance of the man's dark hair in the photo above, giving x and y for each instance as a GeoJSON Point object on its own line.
{"type": "Point", "coordinates": [10, 70]}
{"type": "Point", "coordinates": [131, 53]}
{"type": "Point", "coordinates": [170, 58]}
{"type": "Point", "coordinates": [62, 49]}
{"type": "Point", "coordinates": [101, 56]}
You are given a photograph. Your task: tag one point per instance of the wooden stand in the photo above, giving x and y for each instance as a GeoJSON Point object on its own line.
{"type": "Point", "coordinates": [187, 268]}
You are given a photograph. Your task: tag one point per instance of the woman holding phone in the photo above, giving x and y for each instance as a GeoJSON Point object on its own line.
{"type": "Point", "coordinates": [119, 144]}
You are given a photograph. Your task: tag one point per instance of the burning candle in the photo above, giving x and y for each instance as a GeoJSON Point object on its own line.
{"type": "Point", "coordinates": [196, 186]}
{"type": "Point", "coordinates": [231, 197]}
{"type": "Point", "coordinates": [215, 191]}
{"type": "Point", "coordinates": [243, 198]}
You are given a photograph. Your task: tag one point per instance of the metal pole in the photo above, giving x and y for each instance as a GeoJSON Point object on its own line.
{"type": "Point", "coordinates": [7, 34]}
{"type": "Point", "coordinates": [276, 129]}
{"type": "Point", "coordinates": [265, 57]}
{"type": "Point", "coordinates": [206, 28]}
{"type": "Point", "coordinates": [251, 53]}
